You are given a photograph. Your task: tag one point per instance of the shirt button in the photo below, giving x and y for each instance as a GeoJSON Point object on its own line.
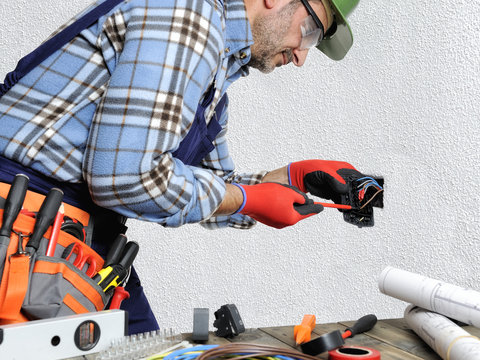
{"type": "Point", "coordinates": [243, 55]}
{"type": "Point", "coordinates": [227, 50]}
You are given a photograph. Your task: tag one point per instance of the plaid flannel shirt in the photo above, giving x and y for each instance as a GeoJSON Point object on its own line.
{"type": "Point", "coordinates": [111, 106]}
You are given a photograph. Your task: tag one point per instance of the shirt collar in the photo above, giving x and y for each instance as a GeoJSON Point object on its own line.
{"type": "Point", "coordinates": [238, 32]}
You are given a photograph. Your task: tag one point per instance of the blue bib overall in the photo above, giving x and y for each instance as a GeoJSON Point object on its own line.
{"type": "Point", "coordinates": [194, 147]}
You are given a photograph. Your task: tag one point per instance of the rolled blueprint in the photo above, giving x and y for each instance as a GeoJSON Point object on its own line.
{"type": "Point", "coordinates": [434, 295]}
{"type": "Point", "coordinates": [448, 340]}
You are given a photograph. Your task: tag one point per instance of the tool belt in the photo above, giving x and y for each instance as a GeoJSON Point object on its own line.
{"type": "Point", "coordinates": [73, 278]}
{"type": "Point", "coordinates": [36, 286]}
{"type": "Point", "coordinates": [101, 225]}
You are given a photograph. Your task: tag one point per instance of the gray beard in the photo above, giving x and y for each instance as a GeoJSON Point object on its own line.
{"type": "Point", "coordinates": [268, 34]}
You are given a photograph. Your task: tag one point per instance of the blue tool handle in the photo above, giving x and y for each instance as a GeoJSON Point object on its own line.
{"type": "Point", "coordinates": [14, 202]}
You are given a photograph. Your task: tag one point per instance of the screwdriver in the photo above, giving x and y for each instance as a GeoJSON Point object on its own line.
{"type": "Point", "coordinates": [13, 205]}
{"type": "Point", "coordinates": [335, 339]}
{"type": "Point", "coordinates": [365, 323]}
{"type": "Point", "coordinates": [114, 275]}
{"type": "Point", "coordinates": [129, 254]}
{"type": "Point", "coordinates": [336, 206]}
{"type": "Point", "coordinates": [113, 255]}
{"type": "Point", "coordinates": [45, 216]}
{"type": "Point", "coordinates": [302, 332]}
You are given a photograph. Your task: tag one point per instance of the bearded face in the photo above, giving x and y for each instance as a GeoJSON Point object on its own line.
{"type": "Point", "coordinates": [269, 32]}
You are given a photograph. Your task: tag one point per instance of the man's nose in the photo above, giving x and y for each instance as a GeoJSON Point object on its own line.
{"type": "Point", "coordinates": [299, 56]}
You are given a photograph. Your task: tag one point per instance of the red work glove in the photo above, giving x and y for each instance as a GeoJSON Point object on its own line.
{"type": "Point", "coordinates": [276, 205]}
{"type": "Point", "coordinates": [322, 178]}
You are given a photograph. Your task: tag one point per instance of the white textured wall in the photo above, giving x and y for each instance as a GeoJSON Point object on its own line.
{"type": "Point", "coordinates": [403, 104]}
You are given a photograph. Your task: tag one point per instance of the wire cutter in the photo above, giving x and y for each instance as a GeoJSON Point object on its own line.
{"type": "Point", "coordinates": [81, 259]}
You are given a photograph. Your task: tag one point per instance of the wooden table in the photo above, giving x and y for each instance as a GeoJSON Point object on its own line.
{"type": "Point", "coordinates": [392, 338]}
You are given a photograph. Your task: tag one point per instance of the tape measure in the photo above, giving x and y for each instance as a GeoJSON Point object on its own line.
{"type": "Point", "coordinates": [353, 352]}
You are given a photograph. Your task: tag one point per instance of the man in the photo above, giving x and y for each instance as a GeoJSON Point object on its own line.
{"type": "Point", "coordinates": [134, 109]}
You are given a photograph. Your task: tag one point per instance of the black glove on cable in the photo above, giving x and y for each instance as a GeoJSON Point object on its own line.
{"type": "Point", "coordinates": [322, 178]}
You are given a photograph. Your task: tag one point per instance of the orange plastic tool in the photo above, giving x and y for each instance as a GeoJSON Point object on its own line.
{"type": "Point", "coordinates": [303, 332]}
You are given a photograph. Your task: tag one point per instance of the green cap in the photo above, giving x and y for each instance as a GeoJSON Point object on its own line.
{"type": "Point", "coordinates": [336, 45]}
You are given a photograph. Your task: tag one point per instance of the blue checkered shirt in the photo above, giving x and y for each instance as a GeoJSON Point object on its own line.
{"type": "Point", "coordinates": [111, 106]}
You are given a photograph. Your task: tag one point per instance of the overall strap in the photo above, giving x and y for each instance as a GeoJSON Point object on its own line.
{"type": "Point", "coordinates": [199, 140]}
{"type": "Point", "coordinates": [30, 61]}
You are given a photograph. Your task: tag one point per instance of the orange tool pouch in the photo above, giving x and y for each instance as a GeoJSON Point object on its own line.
{"type": "Point", "coordinates": [40, 286]}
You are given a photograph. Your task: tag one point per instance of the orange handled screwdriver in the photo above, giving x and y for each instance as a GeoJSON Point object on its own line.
{"type": "Point", "coordinates": [302, 332]}
{"type": "Point", "coordinates": [336, 206]}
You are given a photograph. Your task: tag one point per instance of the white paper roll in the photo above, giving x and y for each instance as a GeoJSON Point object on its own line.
{"type": "Point", "coordinates": [450, 300]}
{"type": "Point", "coordinates": [448, 340]}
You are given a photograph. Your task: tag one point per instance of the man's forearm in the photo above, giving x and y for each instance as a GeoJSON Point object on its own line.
{"type": "Point", "coordinates": [234, 198]}
{"type": "Point", "coordinates": [232, 201]}
{"type": "Point", "coordinates": [278, 176]}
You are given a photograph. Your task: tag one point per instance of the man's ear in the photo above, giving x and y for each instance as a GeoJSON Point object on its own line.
{"type": "Point", "coordinates": [269, 4]}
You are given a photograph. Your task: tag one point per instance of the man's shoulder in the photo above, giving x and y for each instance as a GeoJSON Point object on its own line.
{"type": "Point", "coordinates": [197, 5]}
{"type": "Point", "coordinates": [215, 7]}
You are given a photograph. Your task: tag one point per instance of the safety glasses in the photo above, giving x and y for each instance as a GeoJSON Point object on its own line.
{"type": "Point", "coordinates": [311, 28]}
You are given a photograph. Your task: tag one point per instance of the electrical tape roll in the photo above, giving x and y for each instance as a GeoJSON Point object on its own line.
{"type": "Point", "coordinates": [353, 352]}
{"type": "Point", "coordinates": [323, 343]}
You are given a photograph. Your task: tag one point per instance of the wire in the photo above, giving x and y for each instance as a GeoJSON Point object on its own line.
{"type": "Point", "coordinates": [235, 351]}
{"type": "Point", "coordinates": [378, 192]}
{"type": "Point", "coordinates": [188, 353]}
{"type": "Point", "coordinates": [369, 178]}
{"type": "Point", "coordinates": [363, 184]}
{"type": "Point", "coordinates": [244, 351]}
{"type": "Point", "coordinates": [363, 187]}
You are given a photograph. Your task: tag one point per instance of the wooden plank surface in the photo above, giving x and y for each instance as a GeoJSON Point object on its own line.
{"type": "Point", "coordinates": [399, 337]}
{"type": "Point", "coordinates": [259, 337]}
{"type": "Point", "coordinates": [285, 334]}
{"type": "Point", "coordinates": [392, 339]}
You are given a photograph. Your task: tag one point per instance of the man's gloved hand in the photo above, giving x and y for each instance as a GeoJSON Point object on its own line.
{"type": "Point", "coordinates": [322, 178]}
{"type": "Point", "coordinates": [276, 204]}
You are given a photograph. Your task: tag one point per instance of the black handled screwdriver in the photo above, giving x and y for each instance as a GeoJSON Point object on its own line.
{"type": "Point", "coordinates": [335, 339]}
{"type": "Point", "coordinates": [364, 324]}
{"type": "Point", "coordinates": [13, 205]}
{"type": "Point", "coordinates": [116, 250]}
{"type": "Point", "coordinates": [114, 275]}
{"type": "Point", "coordinates": [113, 256]}
{"type": "Point", "coordinates": [129, 254]}
{"type": "Point", "coordinates": [44, 218]}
